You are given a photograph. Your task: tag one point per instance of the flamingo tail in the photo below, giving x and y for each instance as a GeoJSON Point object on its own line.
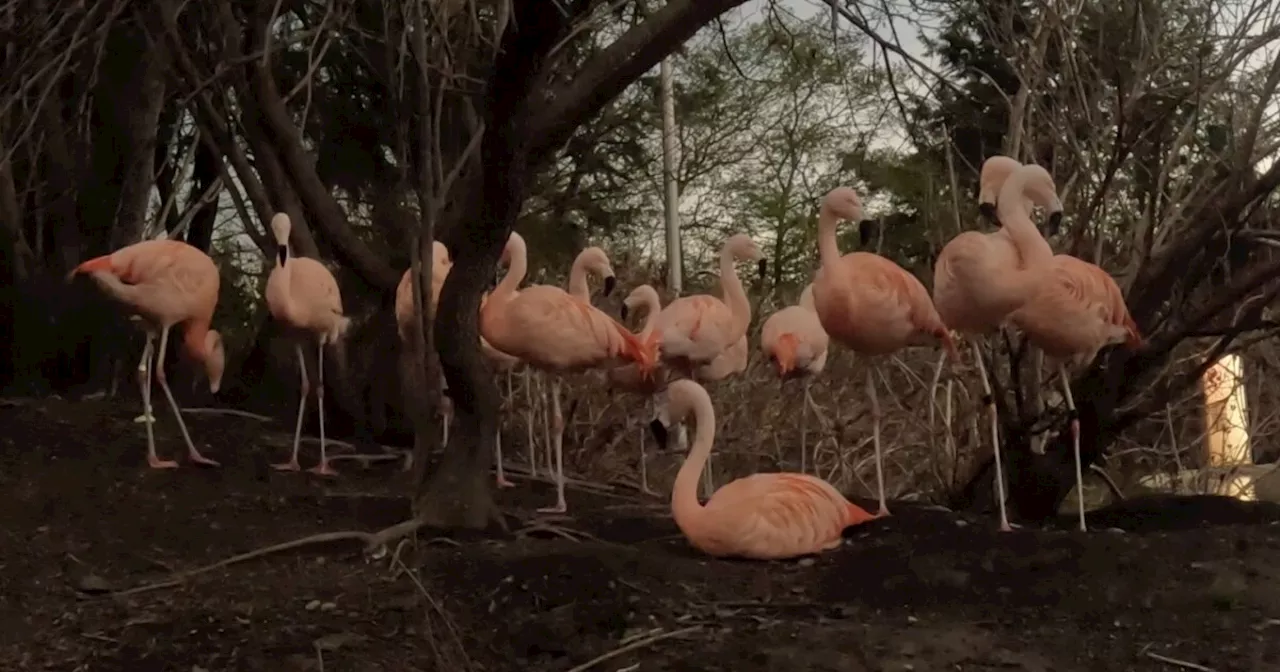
{"type": "Point", "coordinates": [856, 515]}
{"type": "Point", "coordinates": [785, 351]}
{"type": "Point", "coordinates": [1134, 341]}
{"type": "Point", "coordinates": [634, 350]}
{"type": "Point", "coordinates": [93, 265]}
{"type": "Point", "coordinates": [948, 343]}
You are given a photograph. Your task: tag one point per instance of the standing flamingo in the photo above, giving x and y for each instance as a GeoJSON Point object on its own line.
{"type": "Point", "coordinates": [762, 516]}
{"type": "Point", "coordinates": [304, 295]}
{"type": "Point", "coordinates": [980, 279]}
{"type": "Point", "coordinates": [629, 378]}
{"type": "Point", "coordinates": [556, 332]}
{"type": "Point", "coordinates": [168, 282]}
{"type": "Point", "coordinates": [794, 339]}
{"type": "Point", "coordinates": [694, 330]}
{"type": "Point", "coordinates": [1078, 311]}
{"type": "Point", "coordinates": [870, 304]}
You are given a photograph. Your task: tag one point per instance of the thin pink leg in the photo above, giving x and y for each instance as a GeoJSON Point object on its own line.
{"type": "Point", "coordinates": [324, 468]}
{"type": "Point", "coordinates": [557, 421]}
{"type": "Point", "coordinates": [875, 417]}
{"type": "Point", "coordinates": [144, 381]}
{"type": "Point", "coordinates": [1075, 443]}
{"type": "Point", "coordinates": [193, 454]}
{"type": "Point", "coordinates": [305, 389]}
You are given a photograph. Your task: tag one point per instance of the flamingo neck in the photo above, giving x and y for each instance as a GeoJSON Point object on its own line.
{"type": "Point", "coordinates": [578, 279]}
{"type": "Point", "coordinates": [284, 284]}
{"type": "Point", "coordinates": [685, 507]}
{"type": "Point", "coordinates": [828, 250]}
{"type": "Point", "coordinates": [652, 307]}
{"type": "Point", "coordinates": [516, 270]}
{"type": "Point", "coordinates": [806, 299]}
{"type": "Point", "coordinates": [734, 295]}
{"type": "Point", "coordinates": [196, 337]}
{"type": "Point", "coordinates": [1013, 210]}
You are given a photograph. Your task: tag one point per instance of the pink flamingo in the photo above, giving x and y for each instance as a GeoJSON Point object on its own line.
{"type": "Point", "coordinates": [1078, 311]}
{"type": "Point", "coordinates": [694, 330]}
{"type": "Point", "coordinates": [870, 304]}
{"type": "Point", "coordinates": [304, 295]}
{"type": "Point", "coordinates": [440, 265]}
{"type": "Point", "coordinates": [796, 342]}
{"type": "Point", "coordinates": [167, 282]}
{"type": "Point", "coordinates": [762, 516]}
{"type": "Point", "coordinates": [591, 260]}
{"type": "Point", "coordinates": [556, 332]}
{"type": "Point", "coordinates": [995, 170]}
{"type": "Point", "coordinates": [629, 378]}
{"type": "Point", "coordinates": [980, 279]}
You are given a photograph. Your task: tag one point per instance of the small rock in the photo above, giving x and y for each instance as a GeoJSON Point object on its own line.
{"type": "Point", "coordinates": [328, 606]}
{"type": "Point", "coordinates": [806, 562]}
{"type": "Point", "coordinates": [962, 523]}
{"type": "Point", "coordinates": [313, 605]}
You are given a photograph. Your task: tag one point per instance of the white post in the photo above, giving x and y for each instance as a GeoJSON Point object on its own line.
{"type": "Point", "coordinates": [670, 161]}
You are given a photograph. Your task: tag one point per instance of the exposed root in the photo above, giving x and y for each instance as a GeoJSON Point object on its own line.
{"type": "Point", "coordinates": [227, 411]}
{"type": "Point", "coordinates": [579, 536]}
{"type": "Point", "coordinates": [632, 646]}
{"type": "Point", "coordinates": [182, 577]}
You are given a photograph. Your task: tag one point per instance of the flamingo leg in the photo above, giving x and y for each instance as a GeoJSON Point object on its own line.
{"type": "Point", "coordinates": [192, 454]}
{"type": "Point", "coordinates": [557, 422]}
{"type": "Point", "coordinates": [804, 431]}
{"type": "Point", "coordinates": [875, 417]}
{"type": "Point", "coordinates": [502, 481]}
{"type": "Point", "coordinates": [644, 469]}
{"type": "Point", "coordinates": [990, 403]}
{"type": "Point", "coordinates": [1075, 442]}
{"type": "Point", "coordinates": [144, 381]}
{"type": "Point", "coordinates": [528, 421]}
{"type": "Point", "coordinates": [446, 418]}
{"type": "Point", "coordinates": [933, 387]}
{"type": "Point", "coordinates": [305, 390]}
{"type": "Point", "coordinates": [543, 390]}
{"type": "Point", "coordinates": [324, 468]}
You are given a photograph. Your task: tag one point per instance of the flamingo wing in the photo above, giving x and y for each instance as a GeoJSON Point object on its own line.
{"type": "Point", "coordinates": [774, 516]}
{"type": "Point", "coordinates": [697, 327]}
{"type": "Point", "coordinates": [548, 327]}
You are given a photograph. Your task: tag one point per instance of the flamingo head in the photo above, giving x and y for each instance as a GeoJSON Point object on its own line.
{"type": "Point", "coordinates": [995, 171]}
{"type": "Point", "coordinates": [640, 297]}
{"type": "Point", "coordinates": [596, 261]}
{"type": "Point", "coordinates": [515, 245]}
{"type": "Point", "coordinates": [743, 248]}
{"type": "Point", "coordinates": [280, 228]}
{"type": "Point", "coordinates": [844, 203]}
{"type": "Point", "coordinates": [675, 406]}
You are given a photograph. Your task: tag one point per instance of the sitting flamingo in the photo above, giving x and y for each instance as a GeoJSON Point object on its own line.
{"type": "Point", "coordinates": [762, 516]}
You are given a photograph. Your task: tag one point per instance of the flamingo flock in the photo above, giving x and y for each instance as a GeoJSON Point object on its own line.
{"type": "Point", "coordinates": [983, 282]}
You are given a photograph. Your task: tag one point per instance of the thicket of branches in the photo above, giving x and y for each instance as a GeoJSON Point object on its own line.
{"type": "Point", "coordinates": [377, 127]}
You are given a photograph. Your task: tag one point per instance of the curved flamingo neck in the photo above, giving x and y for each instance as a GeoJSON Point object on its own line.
{"type": "Point", "coordinates": [196, 338]}
{"type": "Point", "coordinates": [578, 278]}
{"type": "Point", "coordinates": [1015, 218]}
{"type": "Point", "coordinates": [516, 271]}
{"type": "Point", "coordinates": [828, 250]}
{"type": "Point", "coordinates": [685, 507]}
{"type": "Point", "coordinates": [282, 299]}
{"type": "Point", "coordinates": [806, 298]}
{"type": "Point", "coordinates": [734, 294]}
{"type": "Point", "coordinates": [652, 307]}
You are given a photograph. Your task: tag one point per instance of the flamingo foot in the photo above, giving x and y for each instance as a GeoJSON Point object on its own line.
{"type": "Point", "coordinates": [504, 483]}
{"type": "Point", "coordinates": [883, 512]}
{"type": "Point", "coordinates": [323, 469]}
{"type": "Point", "coordinates": [287, 466]}
{"type": "Point", "coordinates": [157, 463]}
{"type": "Point", "coordinates": [558, 508]}
{"type": "Point", "coordinates": [197, 458]}
{"type": "Point", "coordinates": [1009, 527]}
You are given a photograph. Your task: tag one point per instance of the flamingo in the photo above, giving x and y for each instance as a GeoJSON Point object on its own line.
{"type": "Point", "coordinates": [762, 516]}
{"type": "Point", "coordinates": [167, 282]}
{"type": "Point", "coordinates": [628, 378]}
{"type": "Point", "coordinates": [995, 170]}
{"type": "Point", "coordinates": [304, 295]}
{"type": "Point", "coordinates": [870, 304]}
{"type": "Point", "coordinates": [591, 260]}
{"type": "Point", "coordinates": [694, 330]}
{"type": "Point", "coordinates": [794, 339]}
{"type": "Point", "coordinates": [980, 279]}
{"type": "Point", "coordinates": [1076, 313]}
{"type": "Point", "coordinates": [555, 332]}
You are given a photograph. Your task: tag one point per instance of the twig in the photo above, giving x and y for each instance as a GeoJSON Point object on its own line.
{"type": "Point", "coordinates": [638, 644]}
{"type": "Point", "coordinates": [1184, 664]}
{"type": "Point", "coordinates": [227, 411]}
{"type": "Point", "coordinates": [182, 577]}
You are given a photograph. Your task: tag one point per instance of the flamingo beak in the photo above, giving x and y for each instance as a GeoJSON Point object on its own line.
{"type": "Point", "coordinates": [659, 432]}
{"type": "Point", "coordinates": [867, 231]}
{"type": "Point", "coordinates": [623, 311]}
{"type": "Point", "coordinates": [1054, 223]}
{"type": "Point", "coordinates": [609, 283]}
{"type": "Point", "coordinates": [762, 267]}
{"type": "Point", "coordinates": [988, 210]}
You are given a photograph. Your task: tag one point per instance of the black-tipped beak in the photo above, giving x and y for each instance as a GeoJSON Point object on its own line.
{"type": "Point", "coordinates": [623, 311]}
{"type": "Point", "coordinates": [659, 432]}
{"type": "Point", "coordinates": [282, 253]}
{"type": "Point", "coordinates": [867, 230]}
{"type": "Point", "coordinates": [1055, 222]}
{"type": "Point", "coordinates": [762, 267]}
{"type": "Point", "coordinates": [988, 210]}
{"type": "Point", "coordinates": [609, 283]}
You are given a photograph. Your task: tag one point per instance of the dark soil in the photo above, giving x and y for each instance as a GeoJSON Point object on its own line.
{"type": "Point", "coordinates": [923, 590]}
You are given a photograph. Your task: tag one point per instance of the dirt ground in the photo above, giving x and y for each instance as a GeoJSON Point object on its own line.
{"type": "Point", "coordinates": [1196, 582]}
